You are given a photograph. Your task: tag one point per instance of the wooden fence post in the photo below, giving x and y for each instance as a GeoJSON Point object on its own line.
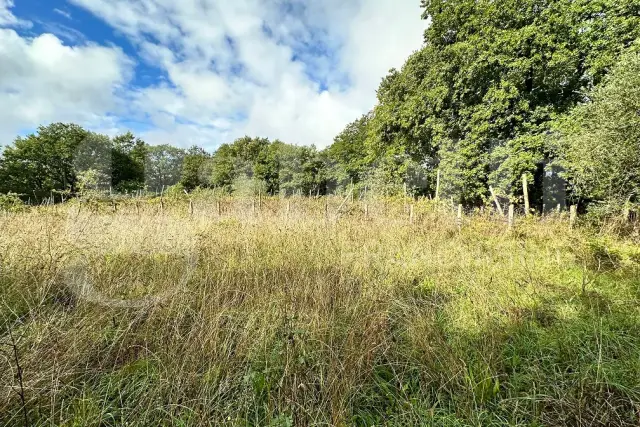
{"type": "Point", "coordinates": [496, 201]}
{"type": "Point", "coordinates": [511, 215]}
{"type": "Point", "coordinates": [438, 186]}
{"type": "Point", "coordinates": [190, 203]}
{"type": "Point", "coordinates": [573, 213]}
{"type": "Point", "coordinates": [525, 192]}
{"type": "Point", "coordinates": [352, 188]}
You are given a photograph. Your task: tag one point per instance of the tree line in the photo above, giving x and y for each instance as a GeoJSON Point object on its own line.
{"type": "Point", "coordinates": [548, 89]}
{"type": "Point", "coordinates": [502, 88]}
{"type": "Point", "coordinates": [65, 159]}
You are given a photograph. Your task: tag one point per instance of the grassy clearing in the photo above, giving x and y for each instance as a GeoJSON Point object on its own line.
{"type": "Point", "coordinates": [284, 319]}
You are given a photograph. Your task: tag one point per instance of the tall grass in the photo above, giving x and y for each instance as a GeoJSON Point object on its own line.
{"type": "Point", "coordinates": [264, 315]}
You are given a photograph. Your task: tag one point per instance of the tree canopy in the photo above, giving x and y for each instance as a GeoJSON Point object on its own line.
{"type": "Point", "coordinates": [600, 140]}
{"type": "Point", "coordinates": [478, 98]}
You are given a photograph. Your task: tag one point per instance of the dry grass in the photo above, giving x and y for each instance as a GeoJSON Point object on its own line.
{"type": "Point", "coordinates": [276, 316]}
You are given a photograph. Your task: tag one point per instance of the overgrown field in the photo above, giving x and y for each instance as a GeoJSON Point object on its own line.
{"type": "Point", "coordinates": [274, 316]}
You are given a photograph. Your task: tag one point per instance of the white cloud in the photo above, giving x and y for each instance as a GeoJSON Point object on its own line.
{"type": "Point", "coordinates": [62, 13]}
{"type": "Point", "coordinates": [7, 19]}
{"type": "Point", "coordinates": [64, 32]}
{"type": "Point", "coordinates": [290, 69]}
{"type": "Point", "coordinates": [42, 80]}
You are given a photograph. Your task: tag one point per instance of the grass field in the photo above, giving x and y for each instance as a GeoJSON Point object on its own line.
{"type": "Point", "coordinates": [268, 315]}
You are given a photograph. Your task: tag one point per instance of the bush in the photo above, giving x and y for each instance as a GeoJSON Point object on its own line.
{"type": "Point", "coordinates": [11, 203]}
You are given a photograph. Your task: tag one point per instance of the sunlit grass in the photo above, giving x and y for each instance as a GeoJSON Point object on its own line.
{"type": "Point", "coordinates": [272, 315]}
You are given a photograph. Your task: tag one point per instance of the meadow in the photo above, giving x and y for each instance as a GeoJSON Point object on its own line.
{"type": "Point", "coordinates": [311, 312]}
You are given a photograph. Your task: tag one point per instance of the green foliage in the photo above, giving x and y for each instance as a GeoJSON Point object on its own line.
{"type": "Point", "coordinates": [11, 203]}
{"type": "Point", "coordinates": [223, 167]}
{"type": "Point", "coordinates": [94, 154]}
{"type": "Point", "coordinates": [195, 169]}
{"type": "Point", "coordinates": [90, 182]}
{"type": "Point", "coordinates": [480, 95]}
{"type": "Point", "coordinates": [67, 159]}
{"type": "Point", "coordinates": [491, 96]}
{"type": "Point", "coordinates": [301, 170]}
{"type": "Point", "coordinates": [127, 161]}
{"type": "Point", "coordinates": [348, 152]}
{"type": "Point", "coordinates": [599, 139]}
{"type": "Point", "coordinates": [43, 162]}
{"type": "Point", "coordinates": [163, 166]}
{"type": "Point", "coordinates": [175, 191]}
{"type": "Point", "coordinates": [256, 164]}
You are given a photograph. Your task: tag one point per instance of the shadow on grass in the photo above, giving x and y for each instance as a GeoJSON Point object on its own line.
{"type": "Point", "coordinates": [571, 359]}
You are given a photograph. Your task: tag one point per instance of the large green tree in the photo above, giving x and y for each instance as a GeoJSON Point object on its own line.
{"type": "Point", "coordinates": [478, 98]}
{"type": "Point", "coordinates": [348, 155]}
{"type": "Point", "coordinates": [42, 162]}
{"type": "Point", "coordinates": [163, 166]}
{"type": "Point", "coordinates": [51, 160]}
{"type": "Point", "coordinates": [223, 170]}
{"type": "Point", "coordinates": [128, 159]}
{"type": "Point", "coordinates": [196, 169]}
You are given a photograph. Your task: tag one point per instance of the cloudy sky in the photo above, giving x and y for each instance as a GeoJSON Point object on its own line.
{"type": "Point", "coordinates": [199, 71]}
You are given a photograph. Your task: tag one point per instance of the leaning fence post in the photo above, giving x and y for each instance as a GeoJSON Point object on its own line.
{"type": "Point", "coordinates": [496, 201]}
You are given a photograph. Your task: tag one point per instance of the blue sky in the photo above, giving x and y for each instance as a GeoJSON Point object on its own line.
{"type": "Point", "coordinates": [199, 71]}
